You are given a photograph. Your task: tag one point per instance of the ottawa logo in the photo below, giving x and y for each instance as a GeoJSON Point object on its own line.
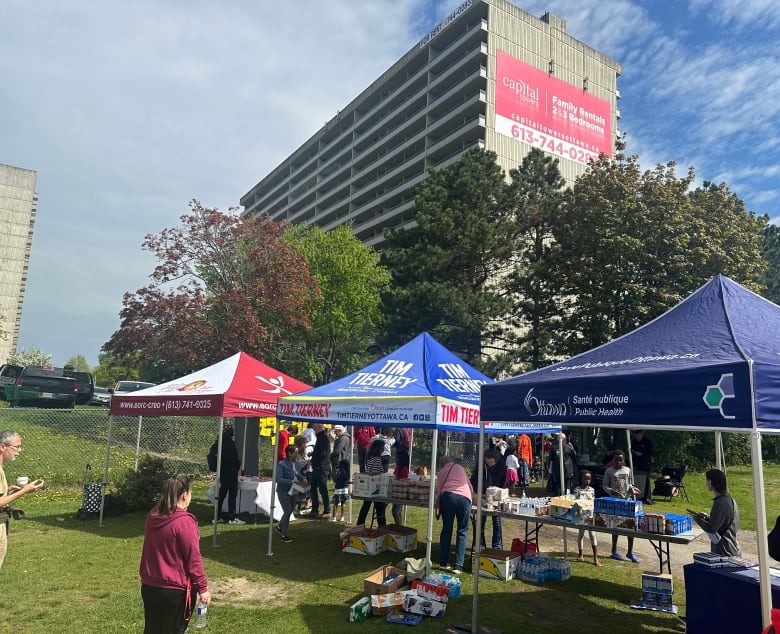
{"type": "Point", "coordinates": [537, 407]}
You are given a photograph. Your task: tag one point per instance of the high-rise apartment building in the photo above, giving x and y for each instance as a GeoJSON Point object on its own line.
{"type": "Point", "coordinates": [489, 75]}
{"type": "Point", "coordinates": [18, 202]}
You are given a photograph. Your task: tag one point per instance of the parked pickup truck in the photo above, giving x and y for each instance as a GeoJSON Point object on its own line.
{"type": "Point", "coordinates": [42, 386]}
{"type": "Point", "coordinates": [8, 375]}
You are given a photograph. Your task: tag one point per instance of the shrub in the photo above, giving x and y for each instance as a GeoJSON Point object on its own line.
{"type": "Point", "coordinates": [140, 489]}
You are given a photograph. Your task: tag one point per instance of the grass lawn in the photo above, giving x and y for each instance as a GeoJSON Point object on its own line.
{"type": "Point", "coordinates": [65, 575]}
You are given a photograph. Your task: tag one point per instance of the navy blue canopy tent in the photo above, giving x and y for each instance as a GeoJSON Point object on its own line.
{"type": "Point", "coordinates": [710, 363]}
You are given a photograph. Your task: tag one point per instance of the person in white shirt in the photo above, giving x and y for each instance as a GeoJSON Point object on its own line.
{"type": "Point", "coordinates": [619, 483]}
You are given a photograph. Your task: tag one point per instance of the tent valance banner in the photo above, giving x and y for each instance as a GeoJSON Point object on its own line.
{"type": "Point", "coordinates": [237, 386]}
{"type": "Point", "coordinates": [712, 362]}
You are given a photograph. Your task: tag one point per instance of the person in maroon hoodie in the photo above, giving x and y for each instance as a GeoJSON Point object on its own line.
{"type": "Point", "coordinates": [172, 575]}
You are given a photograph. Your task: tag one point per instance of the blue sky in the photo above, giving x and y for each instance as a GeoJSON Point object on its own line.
{"type": "Point", "coordinates": [129, 110]}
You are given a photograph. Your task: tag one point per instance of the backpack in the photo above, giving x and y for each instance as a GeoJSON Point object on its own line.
{"type": "Point", "coordinates": [211, 458]}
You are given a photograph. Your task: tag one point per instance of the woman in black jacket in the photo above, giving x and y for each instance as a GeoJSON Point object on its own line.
{"type": "Point", "coordinates": [494, 475]}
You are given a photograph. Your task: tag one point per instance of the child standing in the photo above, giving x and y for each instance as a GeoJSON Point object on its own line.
{"type": "Point", "coordinates": [619, 482]}
{"type": "Point", "coordinates": [586, 492]}
{"type": "Point", "coordinates": [341, 494]}
{"type": "Point", "coordinates": [512, 465]}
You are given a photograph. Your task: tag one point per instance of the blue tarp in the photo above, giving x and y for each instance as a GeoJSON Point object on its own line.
{"type": "Point", "coordinates": [711, 362]}
{"type": "Point", "coordinates": [421, 384]}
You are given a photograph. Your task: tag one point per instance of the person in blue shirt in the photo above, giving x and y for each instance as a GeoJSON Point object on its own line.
{"type": "Point", "coordinates": [287, 474]}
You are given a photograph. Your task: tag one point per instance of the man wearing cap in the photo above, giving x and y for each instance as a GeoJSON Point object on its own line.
{"type": "Point", "coordinates": [320, 472]}
{"type": "Point", "coordinates": [341, 447]}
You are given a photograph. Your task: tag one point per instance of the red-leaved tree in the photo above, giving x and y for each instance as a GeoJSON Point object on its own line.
{"type": "Point", "coordinates": [223, 283]}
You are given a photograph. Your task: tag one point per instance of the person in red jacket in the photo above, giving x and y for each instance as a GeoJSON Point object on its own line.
{"type": "Point", "coordinates": [363, 436]}
{"type": "Point", "coordinates": [284, 440]}
{"type": "Point", "coordinates": [172, 574]}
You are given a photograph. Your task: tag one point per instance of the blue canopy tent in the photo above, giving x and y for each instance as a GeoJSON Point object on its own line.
{"type": "Point", "coordinates": [711, 363]}
{"type": "Point", "coordinates": [419, 385]}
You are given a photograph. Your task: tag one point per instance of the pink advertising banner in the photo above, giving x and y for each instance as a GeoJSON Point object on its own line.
{"type": "Point", "coordinates": [546, 112]}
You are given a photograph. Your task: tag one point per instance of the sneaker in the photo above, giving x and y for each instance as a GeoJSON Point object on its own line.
{"type": "Point", "coordinates": [633, 557]}
{"type": "Point", "coordinates": [332, 518]}
{"type": "Point", "coordinates": [648, 502]}
{"type": "Point", "coordinates": [286, 539]}
{"type": "Point", "coordinates": [457, 570]}
{"type": "Point", "coordinates": [618, 556]}
{"type": "Point", "coordinates": [216, 521]}
{"type": "Point", "coordinates": [341, 519]}
{"type": "Point", "coordinates": [445, 567]}
{"type": "Point", "coordinates": [236, 522]}
{"type": "Point", "coordinates": [279, 528]}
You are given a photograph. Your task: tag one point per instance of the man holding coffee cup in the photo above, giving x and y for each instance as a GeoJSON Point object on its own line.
{"type": "Point", "coordinates": [10, 448]}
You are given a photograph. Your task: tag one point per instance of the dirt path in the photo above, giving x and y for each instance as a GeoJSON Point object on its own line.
{"type": "Point", "coordinates": [551, 538]}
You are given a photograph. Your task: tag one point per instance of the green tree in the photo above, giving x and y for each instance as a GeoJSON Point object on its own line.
{"type": "Point", "coordinates": [444, 268]}
{"type": "Point", "coordinates": [79, 363]}
{"type": "Point", "coordinates": [29, 356]}
{"type": "Point", "coordinates": [770, 249]}
{"type": "Point", "coordinates": [344, 319]}
{"type": "Point", "coordinates": [537, 191]}
{"type": "Point", "coordinates": [110, 370]}
{"type": "Point", "coordinates": [633, 244]}
{"type": "Point", "coordinates": [222, 284]}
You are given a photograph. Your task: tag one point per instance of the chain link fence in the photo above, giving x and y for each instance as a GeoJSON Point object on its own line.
{"type": "Point", "coordinates": [60, 444]}
{"type": "Point", "coordinates": [65, 447]}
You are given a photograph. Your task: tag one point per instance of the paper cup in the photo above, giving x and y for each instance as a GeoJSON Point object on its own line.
{"type": "Point", "coordinates": [22, 481]}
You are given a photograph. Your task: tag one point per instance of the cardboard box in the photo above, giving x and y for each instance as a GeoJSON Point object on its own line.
{"type": "Point", "coordinates": [360, 610]}
{"type": "Point", "coordinates": [426, 607]}
{"type": "Point", "coordinates": [365, 485]}
{"type": "Point", "coordinates": [384, 603]}
{"type": "Point", "coordinates": [498, 564]}
{"type": "Point", "coordinates": [428, 590]}
{"type": "Point", "coordinates": [363, 542]}
{"type": "Point", "coordinates": [653, 582]}
{"type": "Point", "coordinates": [404, 618]}
{"type": "Point", "coordinates": [571, 510]}
{"type": "Point", "coordinates": [452, 584]}
{"type": "Point", "coordinates": [385, 489]}
{"type": "Point", "coordinates": [400, 539]}
{"type": "Point", "coordinates": [384, 580]}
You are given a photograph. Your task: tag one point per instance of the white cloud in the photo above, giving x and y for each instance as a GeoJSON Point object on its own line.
{"type": "Point", "coordinates": [129, 110]}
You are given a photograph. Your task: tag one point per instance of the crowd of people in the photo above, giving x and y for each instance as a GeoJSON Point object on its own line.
{"type": "Point", "coordinates": [171, 567]}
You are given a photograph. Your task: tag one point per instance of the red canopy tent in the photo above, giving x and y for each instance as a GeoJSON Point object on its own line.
{"type": "Point", "coordinates": [237, 386]}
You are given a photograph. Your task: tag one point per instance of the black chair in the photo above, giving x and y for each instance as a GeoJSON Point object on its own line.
{"type": "Point", "coordinates": [671, 484]}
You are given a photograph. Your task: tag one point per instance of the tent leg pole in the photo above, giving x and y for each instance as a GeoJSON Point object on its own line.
{"type": "Point", "coordinates": [219, 482]}
{"type": "Point", "coordinates": [105, 468]}
{"type": "Point", "coordinates": [273, 491]}
{"type": "Point", "coordinates": [478, 527]}
{"type": "Point", "coordinates": [432, 497]}
{"type": "Point", "coordinates": [761, 532]}
{"type": "Point", "coordinates": [137, 444]}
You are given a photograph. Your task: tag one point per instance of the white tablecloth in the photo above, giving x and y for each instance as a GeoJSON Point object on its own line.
{"type": "Point", "coordinates": [253, 495]}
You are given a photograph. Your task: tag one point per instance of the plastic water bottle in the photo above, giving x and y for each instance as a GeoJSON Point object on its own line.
{"type": "Point", "coordinates": [201, 615]}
